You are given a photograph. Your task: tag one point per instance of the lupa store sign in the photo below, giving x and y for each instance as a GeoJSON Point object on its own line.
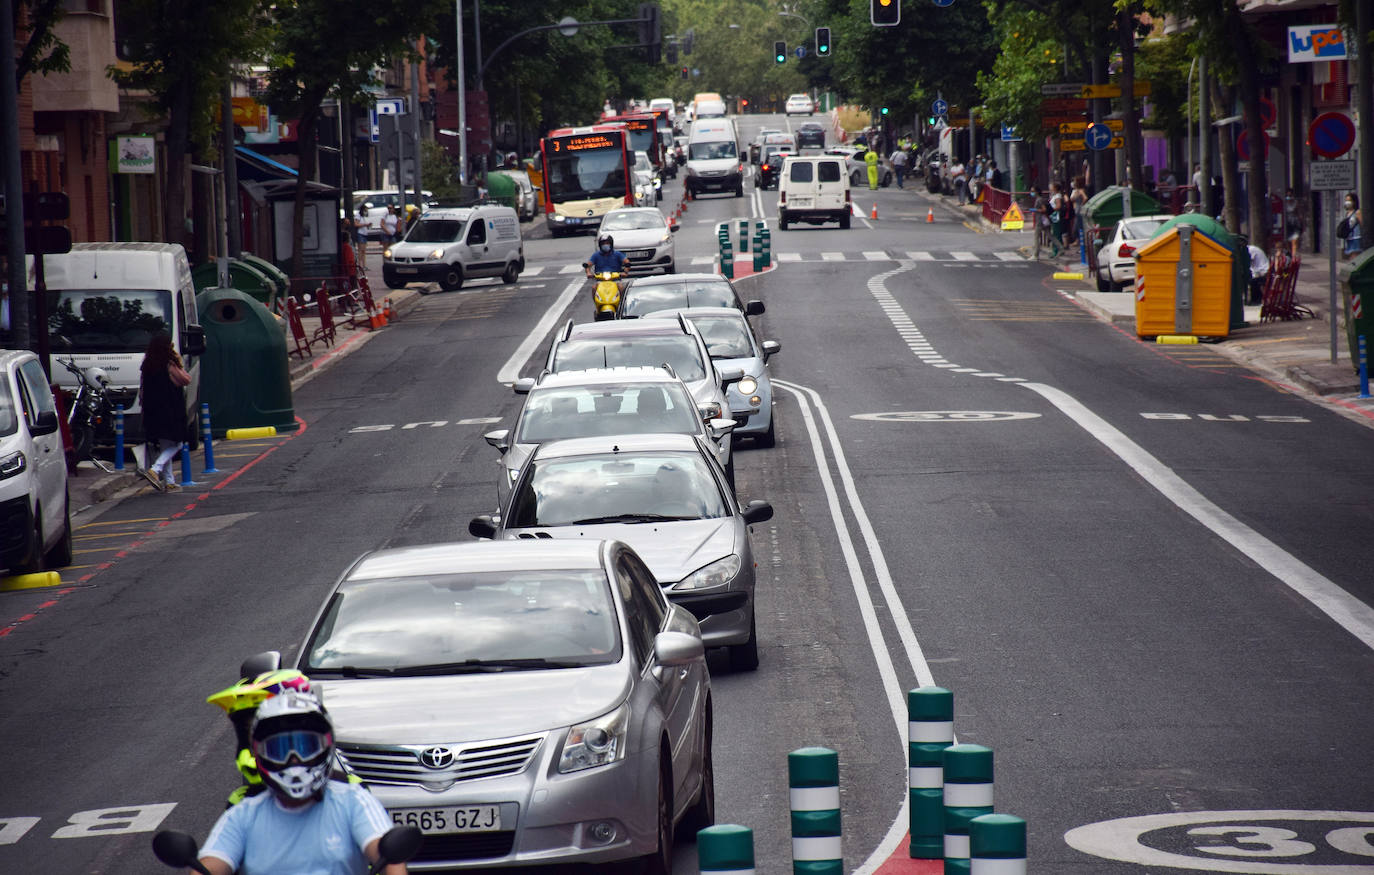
{"type": "Point", "coordinates": [1316, 42]}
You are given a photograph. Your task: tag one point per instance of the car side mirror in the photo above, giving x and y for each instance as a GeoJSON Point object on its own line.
{"type": "Point", "coordinates": [731, 375]}
{"type": "Point", "coordinates": [753, 308]}
{"type": "Point", "coordinates": [523, 385]}
{"type": "Point", "coordinates": [757, 512]}
{"type": "Point", "coordinates": [193, 340]}
{"type": "Point", "coordinates": [500, 439]}
{"type": "Point", "coordinates": [677, 648]}
{"type": "Point", "coordinates": [483, 527]}
{"type": "Point", "coordinates": [260, 663]}
{"type": "Point", "coordinates": [674, 227]}
{"type": "Point", "coordinates": [44, 423]}
{"type": "Point", "coordinates": [770, 349]}
{"type": "Point", "coordinates": [709, 411]}
{"type": "Point", "coordinates": [178, 850]}
{"type": "Point", "coordinates": [718, 428]}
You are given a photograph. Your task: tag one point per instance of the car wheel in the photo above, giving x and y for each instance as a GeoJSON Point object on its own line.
{"type": "Point", "coordinates": [769, 438]}
{"type": "Point", "coordinates": [511, 274]}
{"type": "Point", "coordinates": [391, 282]}
{"type": "Point", "coordinates": [703, 812]}
{"type": "Point", "coordinates": [782, 221]}
{"type": "Point", "coordinates": [671, 268]}
{"type": "Point", "coordinates": [60, 556]}
{"type": "Point", "coordinates": [33, 556]}
{"type": "Point", "coordinates": [739, 190]}
{"type": "Point", "coordinates": [1103, 285]}
{"type": "Point", "coordinates": [745, 657]}
{"type": "Point", "coordinates": [845, 220]}
{"type": "Point", "coordinates": [661, 861]}
{"type": "Point", "coordinates": [452, 280]}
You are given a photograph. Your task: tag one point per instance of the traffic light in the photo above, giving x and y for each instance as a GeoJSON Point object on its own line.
{"type": "Point", "coordinates": [671, 51]}
{"type": "Point", "coordinates": [684, 72]}
{"type": "Point", "coordinates": [885, 13]}
{"type": "Point", "coordinates": [822, 40]}
{"type": "Point", "coordinates": [780, 52]}
{"type": "Point", "coordinates": [688, 40]}
{"type": "Point", "coordinates": [883, 111]}
{"type": "Point", "coordinates": [651, 31]}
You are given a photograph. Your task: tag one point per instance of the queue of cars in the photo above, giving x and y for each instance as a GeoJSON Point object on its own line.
{"type": "Point", "coordinates": [542, 696]}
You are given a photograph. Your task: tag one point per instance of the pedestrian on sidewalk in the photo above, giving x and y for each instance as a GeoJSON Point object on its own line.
{"type": "Point", "coordinates": [1350, 227]}
{"type": "Point", "coordinates": [1292, 221]}
{"type": "Point", "coordinates": [898, 160]}
{"type": "Point", "coordinates": [1259, 271]}
{"type": "Point", "coordinates": [1058, 204]}
{"type": "Point", "coordinates": [360, 233]}
{"type": "Point", "coordinates": [959, 181]}
{"type": "Point", "coordinates": [162, 396]}
{"type": "Point", "coordinates": [1078, 196]}
{"type": "Point", "coordinates": [390, 222]}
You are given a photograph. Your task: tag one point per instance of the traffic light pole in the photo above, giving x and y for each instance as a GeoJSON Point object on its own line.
{"type": "Point", "coordinates": [572, 25]}
{"type": "Point", "coordinates": [17, 273]}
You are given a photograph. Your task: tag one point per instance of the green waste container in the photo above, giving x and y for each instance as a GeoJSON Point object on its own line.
{"type": "Point", "coordinates": [503, 190]}
{"type": "Point", "coordinates": [272, 272]}
{"type": "Point", "coordinates": [244, 276]}
{"type": "Point", "coordinates": [1357, 278]}
{"type": "Point", "coordinates": [244, 373]}
{"type": "Point", "coordinates": [1103, 210]}
{"type": "Point", "coordinates": [1240, 257]}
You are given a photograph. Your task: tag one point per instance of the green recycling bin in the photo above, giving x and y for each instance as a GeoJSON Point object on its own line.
{"type": "Point", "coordinates": [247, 278]}
{"type": "Point", "coordinates": [503, 190]}
{"type": "Point", "coordinates": [272, 272]}
{"type": "Point", "coordinates": [1357, 295]}
{"type": "Point", "coordinates": [244, 373]}
{"type": "Point", "coordinates": [1103, 210]}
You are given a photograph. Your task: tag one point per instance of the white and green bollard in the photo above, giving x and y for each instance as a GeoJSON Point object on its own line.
{"type": "Point", "coordinates": [968, 794]}
{"type": "Point", "coordinates": [997, 845]}
{"type": "Point", "coordinates": [813, 778]}
{"type": "Point", "coordinates": [743, 236]}
{"type": "Point", "coordinates": [725, 849]}
{"type": "Point", "coordinates": [930, 729]}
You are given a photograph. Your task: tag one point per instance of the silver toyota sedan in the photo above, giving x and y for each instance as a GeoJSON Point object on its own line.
{"type": "Point", "coordinates": [519, 702]}
{"type": "Point", "coordinates": [667, 497]}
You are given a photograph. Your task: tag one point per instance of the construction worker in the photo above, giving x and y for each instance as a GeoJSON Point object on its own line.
{"type": "Point", "coordinates": [871, 159]}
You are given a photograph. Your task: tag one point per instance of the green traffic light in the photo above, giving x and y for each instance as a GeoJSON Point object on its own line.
{"type": "Point", "coordinates": [884, 110]}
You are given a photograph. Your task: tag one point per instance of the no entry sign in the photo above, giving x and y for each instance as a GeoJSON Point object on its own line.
{"type": "Point", "coordinates": [1331, 135]}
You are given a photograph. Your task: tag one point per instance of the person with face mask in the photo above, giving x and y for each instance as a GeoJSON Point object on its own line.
{"type": "Point", "coordinates": [1349, 228]}
{"type": "Point", "coordinates": [606, 257]}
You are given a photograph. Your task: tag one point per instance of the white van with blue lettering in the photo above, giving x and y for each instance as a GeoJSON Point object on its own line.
{"type": "Point", "coordinates": [450, 245]}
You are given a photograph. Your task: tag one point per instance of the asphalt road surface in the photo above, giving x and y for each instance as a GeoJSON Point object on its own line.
{"type": "Point", "coordinates": [1142, 571]}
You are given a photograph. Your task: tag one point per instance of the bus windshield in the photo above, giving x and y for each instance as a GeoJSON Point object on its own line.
{"type": "Point", "coordinates": [586, 173]}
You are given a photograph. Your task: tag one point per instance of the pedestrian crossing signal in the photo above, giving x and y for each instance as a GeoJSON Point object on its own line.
{"type": "Point", "coordinates": [822, 40]}
{"type": "Point", "coordinates": [684, 72]}
{"type": "Point", "coordinates": [884, 13]}
{"type": "Point", "coordinates": [780, 52]}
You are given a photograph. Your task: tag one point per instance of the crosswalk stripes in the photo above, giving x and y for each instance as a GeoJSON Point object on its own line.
{"type": "Point", "coordinates": [875, 256]}
{"type": "Point", "coordinates": [953, 258]}
{"type": "Point", "coordinates": [703, 259]}
{"type": "Point", "coordinates": [1009, 256]}
{"type": "Point", "coordinates": [921, 256]}
{"type": "Point", "coordinates": [965, 256]}
{"type": "Point", "coordinates": [788, 256]}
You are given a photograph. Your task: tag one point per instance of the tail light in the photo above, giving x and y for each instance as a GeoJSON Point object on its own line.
{"type": "Point", "coordinates": [1126, 250]}
{"type": "Point", "coordinates": [782, 196]}
{"type": "Point", "coordinates": [765, 167]}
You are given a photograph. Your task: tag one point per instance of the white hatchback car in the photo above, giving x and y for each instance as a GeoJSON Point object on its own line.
{"type": "Point", "coordinates": [644, 236]}
{"type": "Point", "coordinates": [1116, 260]}
{"type": "Point", "coordinates": [35, 520]}
{"type": "Point", "coordinates": [800, 104]}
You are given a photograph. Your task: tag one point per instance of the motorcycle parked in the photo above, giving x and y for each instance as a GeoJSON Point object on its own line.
{"type": "Point", "coordinates": [606, 299]}
{"type": "Point", "coordinates": [91, 416]}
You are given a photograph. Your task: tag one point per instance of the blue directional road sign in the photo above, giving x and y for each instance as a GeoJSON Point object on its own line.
{"type": "Point", "coordinates": [944, 2]}
{"type": "Point", "coordinates": [1009, 134]}
{"type": "Point", "coordinates": [800, 51]}
{"type": "Point", "coordinates": [939, 107]}
{"type": "Point", "coordinates": [1098, 137]}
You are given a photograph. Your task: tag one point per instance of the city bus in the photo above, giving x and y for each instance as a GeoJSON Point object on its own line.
{"type": "Point", "coordinates": [586, 175]}
{"type": "Point", "coordinates": [643, 128]}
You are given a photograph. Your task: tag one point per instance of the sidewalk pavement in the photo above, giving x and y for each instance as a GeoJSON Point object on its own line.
{"type": "Point", "coordinates": [1296, 353]}
{"type": "Point", "coordinates": [90, 486]}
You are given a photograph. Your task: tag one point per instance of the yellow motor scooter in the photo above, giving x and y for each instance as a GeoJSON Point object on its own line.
{"type": "Point", "coordinates": [606, 299]}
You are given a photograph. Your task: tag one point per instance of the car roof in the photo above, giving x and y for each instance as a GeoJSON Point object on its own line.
{"type": "Point", "coordinates": [689, 312]}
{"type": "Point", "coordinates": [634, 210]}
{"type": "Point", "coordinates": [673, 279]}
{"type": "Point", "coordinates": [626, 443]}
{"type": "Point", "coordinates": [651, 326]}
{"type": "Point", "coordinates": [477, 556]}
{"type": "Point", "coordinates": [459, 214]}
{"type": "Point", "coordinates": [602, 376]}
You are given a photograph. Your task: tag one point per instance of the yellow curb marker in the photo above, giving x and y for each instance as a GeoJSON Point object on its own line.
{"type": "Point", "coordinates": [1176, 338]}
{"type": "Point", "coordinates": [30, 581]}
{"type": "Point", "coordinates": [243, 434]}
{"type": "Point", "coordinates": [1067, 275]}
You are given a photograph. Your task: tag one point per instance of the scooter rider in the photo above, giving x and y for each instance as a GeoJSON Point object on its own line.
{"type": "Point", "coordinates": [307, 823]}
{"type": "Point", "coordinates": [606, 258]}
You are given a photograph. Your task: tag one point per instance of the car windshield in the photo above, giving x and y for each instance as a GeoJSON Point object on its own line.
{"type": "Point", "coordinates": [435, 231]}
{"type": "Point", "coordinates": [9, 411]}
{"type": "Point", "coordinates": [596, 411]}
{"type": "Point", "coordinates": [678, 351]}
{"type": "Point", "coordinates": [636, 221]}
{"type": "Point", "coordinates": [109, 320]}
{"type": "Point", "coordinates": [617, 487]}
{"type": "Point", "coordinates": [465, 623]}
{"type": "Point", "coordinates": [641, 300]}
{"type": "Point", "coordinates": [1139, 228]}
{"type": "Point", "coordinates": [712, 150]}
{"type": "Point", "coordinates": [726, 336]}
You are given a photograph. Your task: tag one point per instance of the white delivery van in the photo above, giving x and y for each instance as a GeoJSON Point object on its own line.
{"type": "Point", "coordinates": [813, 189]}
{"type": "Point", "coordinates": [450, 245]}
{"type": "Point", "coordinates": [108, 300]}
{"type": "Point", "coordinates": [713, 158]}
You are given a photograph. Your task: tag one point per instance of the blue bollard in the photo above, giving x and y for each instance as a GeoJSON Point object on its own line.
{"type": "Point", "coordinates": [1364, 369]}
{"type": "Point", "coordinates": [186, 465]}
{"type": "Point", "coordinates": [1082, 247]}
{"type": "Point", "coordinates": [207, 438]}
{"type": "Point", "coordinates": [119, 437]}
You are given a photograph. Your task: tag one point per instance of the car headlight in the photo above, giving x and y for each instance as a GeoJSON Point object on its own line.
{"type": "Point", "coordinates": [665, 238]}
{"type": "Point", "coordinates": [386, 253]}
{"type": "Point", "coordinates": [747, 386]}
{"type": "Point", "coordinates": [12, 465]}
{"type": "Point", "coordinates": [558, 218]}
{"type": "Point", "coordinates": [597, 742]}
{"type": "Point", "coordinates": [718, 573]}
{"type": "Point", "coordinates": [435, 255]}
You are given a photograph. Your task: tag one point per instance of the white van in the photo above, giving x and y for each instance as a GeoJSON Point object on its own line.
{"type": "Point", "coordinates": [35, 520]}
{"type": "Point", "coordinates": [108, 300]}
{"type": "Point", "coordinates": [450, 245]}
{"type": "Point", "coordinates": [813, 189]}
{"type": "Point", "coordinates": [713, 158]}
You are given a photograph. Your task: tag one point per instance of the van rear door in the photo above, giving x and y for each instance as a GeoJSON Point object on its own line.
{"type": "Point", "coordinates": [831, 185]}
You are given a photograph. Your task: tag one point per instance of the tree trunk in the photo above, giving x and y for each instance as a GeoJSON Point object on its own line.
{"type": "Point", "coordinates": [1249, 85]}
{"type": "Point", "coordinates": [305, 152]}
{"type": "Point", "coordinates": [175, 212]}
{"type": "Point", "coordinates": [1230, 173]}
{"type": "Point", "coordinates": [1125, 31]}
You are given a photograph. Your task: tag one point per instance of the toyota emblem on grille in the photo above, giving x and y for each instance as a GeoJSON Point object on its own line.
{"type": "Point", "coordinates": [437, 757]}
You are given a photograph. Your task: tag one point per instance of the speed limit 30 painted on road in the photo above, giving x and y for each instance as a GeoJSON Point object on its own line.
{"type": "Point", "coordinates": [1253, 842]}
{"type": "Point", "coordinates": [946, 416]}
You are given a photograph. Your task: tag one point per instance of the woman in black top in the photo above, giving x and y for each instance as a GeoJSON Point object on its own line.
{"type": "Point", "coordinates": [161, 393]}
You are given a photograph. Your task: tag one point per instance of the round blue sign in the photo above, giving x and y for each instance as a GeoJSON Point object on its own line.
{"type": "Point", "coordinates": [944, 2]}
{"type": "Point", "coordinates": [1097, 137]}
{"type": "Point", "coordinates": [801, 51]}
{"type": "Point", "coordinates": [939, 107]}
{"type": "Point", "coordinates": [1331, 134]}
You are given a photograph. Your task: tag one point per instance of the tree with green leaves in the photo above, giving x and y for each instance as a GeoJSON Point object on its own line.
{"type": "Point", "coordinates": [330, 47]}
{"type": "Point", "coordinates": [43, 52]}
{"type": "Point", "coordinates": [181, 55]}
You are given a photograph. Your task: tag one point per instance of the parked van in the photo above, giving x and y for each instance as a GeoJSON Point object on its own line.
{"type": "Point", "coordinates": [450, 245]}
{"type": "Point", "coordinates": [35, 520]}
{"type": "Point", "coordinates": [813, 189]}
{"type": "Point", "coordinates": [108, 300]}
{"type": "Point", "coordinates": [713, 158]}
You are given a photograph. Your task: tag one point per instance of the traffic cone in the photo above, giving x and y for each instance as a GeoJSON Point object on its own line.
{"type": "Point", "coordinates": [874, 214]}
{"type": "Point", "coordinates": [376, 320]}
{"type": "Point", "coordinates": [388, 314]}
{"type": "Point", "coordinates": [930, 214]}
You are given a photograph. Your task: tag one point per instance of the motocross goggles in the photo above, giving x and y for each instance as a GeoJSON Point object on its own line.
{"type": "Point", "coordinates": [305, 745]}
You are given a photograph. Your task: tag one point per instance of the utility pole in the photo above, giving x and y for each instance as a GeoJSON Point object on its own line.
{"type": "Point", "coordinates": [17, 275]}
{"type": "Point", "coordinates": [462, 99]}
{"type": "Point", "coordinates": [1204, 133]}
{"type": "Point", "coordinates": [1364, 21]}
{"type": "Point", "coordinates": [415, 116]}
{"type": "Point", "coordinates": [231, 176]}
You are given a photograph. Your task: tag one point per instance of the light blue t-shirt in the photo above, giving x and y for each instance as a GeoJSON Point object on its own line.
{"type": "Point", "coordinates": [260, 837]}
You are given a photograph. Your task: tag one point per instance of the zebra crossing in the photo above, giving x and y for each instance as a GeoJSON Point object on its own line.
{"type": "Point", "coordinates": [952, 259]}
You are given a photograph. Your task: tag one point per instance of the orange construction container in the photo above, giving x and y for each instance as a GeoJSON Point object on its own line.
{"type": "Point", "coordinates": [1183, 284]}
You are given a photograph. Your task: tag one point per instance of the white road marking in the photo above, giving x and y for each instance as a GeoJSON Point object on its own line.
{"type": "Point", "coordinates": [510, 371]}
{"type": "Point", "coordinates": [875, 256]}
{"type": "Point", "coordinates": [571, 268]}
{"type": "Point", "coordinates": [1008, 256]}
{"type": "Point", "coordinates": [533, 270]}
{"type": "Point", "coordinates": [964, 256]}
{"type": "Point", "coordinates": [787, 256]}
{"type": "Point", "coordinates": [832, 256]}
{"type": "Point", "coordinates": [703, 259]}
{"type": "Point", "coordinates": [920, 256]}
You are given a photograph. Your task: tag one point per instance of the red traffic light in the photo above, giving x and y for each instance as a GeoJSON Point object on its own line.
{"type": "Point", "coordinates": [885, 13]}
